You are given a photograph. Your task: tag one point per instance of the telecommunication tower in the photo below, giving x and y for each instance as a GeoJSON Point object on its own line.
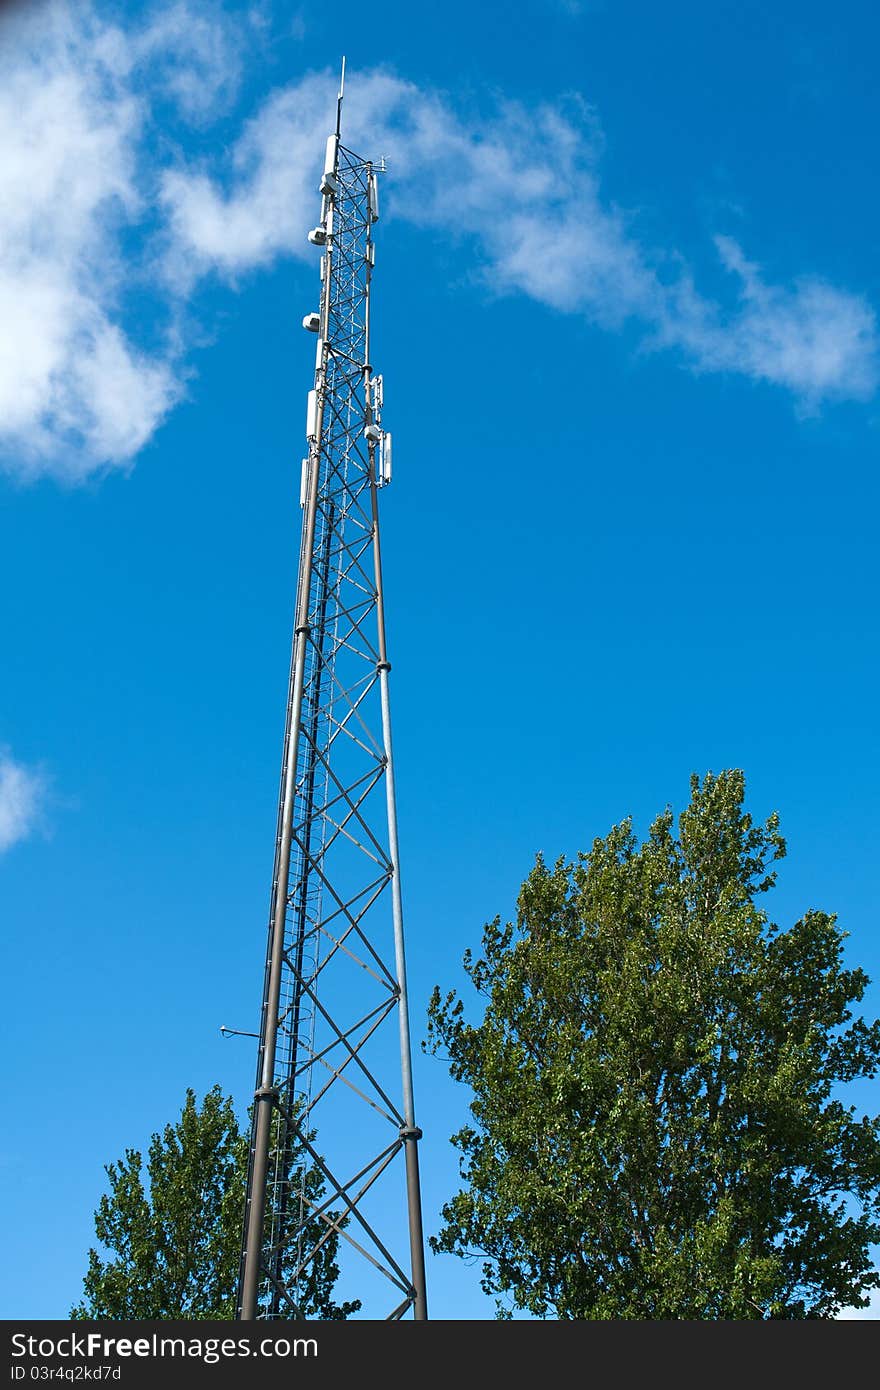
{"type": "Point", "coordinates": [334, 1093]}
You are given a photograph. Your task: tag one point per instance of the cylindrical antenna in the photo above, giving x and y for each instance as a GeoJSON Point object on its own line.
{"type": "Point", "coordinates": [339, 99]}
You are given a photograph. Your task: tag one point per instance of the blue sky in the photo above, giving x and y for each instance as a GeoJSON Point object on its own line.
{"type": "Point", "coordinates": [625, 309]}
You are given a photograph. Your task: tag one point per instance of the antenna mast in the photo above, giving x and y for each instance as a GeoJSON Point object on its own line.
{"type": "Point", "coordinates": [334, 1119]}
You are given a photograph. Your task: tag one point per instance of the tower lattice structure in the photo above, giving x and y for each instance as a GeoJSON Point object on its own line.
{"type": "Point", "coordinates": [333, 1166]}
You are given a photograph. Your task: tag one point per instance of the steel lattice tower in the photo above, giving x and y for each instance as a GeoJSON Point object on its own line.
{"type": "Point", "coordinates": [334, 1036]}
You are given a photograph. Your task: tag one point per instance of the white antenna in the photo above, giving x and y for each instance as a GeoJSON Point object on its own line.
{"type": "Point", "coordinates": [339, 98]}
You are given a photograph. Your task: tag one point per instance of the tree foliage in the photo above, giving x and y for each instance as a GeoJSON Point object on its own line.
{"type": "Point", "coordinates": [658, 1130]}
{"type": "Point", "coordinates": [176, 1241]}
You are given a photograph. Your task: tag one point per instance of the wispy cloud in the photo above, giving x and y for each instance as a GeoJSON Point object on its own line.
{"type": "Point", "coordinates": [22, 791]}
{"type": "Point", "coordinates": [817, 341]}
{"type": "Point", "coordinates": [90, 199]}
{"type": "Point", "coordinates": [75, 392]}
{"type": "Point", "coordinates": [265, 212]}
{"type": "Point", "coordinates": [195, 58]}
{"type": "Point", "coordinates": [524, 190]}
{"type": "Point", "coordinates": [78, 392]}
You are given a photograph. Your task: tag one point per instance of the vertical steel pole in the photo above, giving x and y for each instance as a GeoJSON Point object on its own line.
{"type": "Point", "coordinates": [266, 1093]}
{"type": "Point", "coordinates": [410, 1133]}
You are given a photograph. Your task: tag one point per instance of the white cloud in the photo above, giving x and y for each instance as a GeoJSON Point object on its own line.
{"type": "Point", "coordinates": [523, 189]}
{"type": "Point", "coordinates": [196, 60]}
{"type": "Point", "coordinates": [818, 341]}
{"type": "Point", "coordinates": [21, 796]}
{"type": "Point", "coordinates": [75, 394]}
{"type": "Point", "coordinates": [274, 172]}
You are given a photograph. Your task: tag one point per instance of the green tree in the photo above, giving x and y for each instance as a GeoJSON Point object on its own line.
{"type": "Point", "coordinates": [176, 1242]}
{"type": "Point", "coordinates": [657, 1127]}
